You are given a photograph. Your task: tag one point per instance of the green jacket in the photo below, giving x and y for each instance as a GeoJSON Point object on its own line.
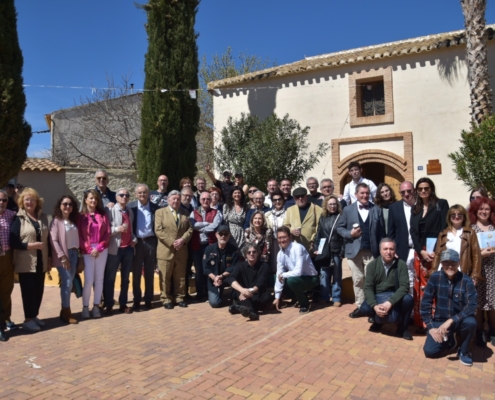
{"type": "Point", "coordinates": [377, 282]}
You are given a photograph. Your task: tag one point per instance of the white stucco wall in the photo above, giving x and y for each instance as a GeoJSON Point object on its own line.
{"type": "Point", "coordinates": [431, 100]}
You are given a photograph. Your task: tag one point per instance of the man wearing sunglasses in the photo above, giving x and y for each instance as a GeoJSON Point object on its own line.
{"type": "Point", "coordinates": [107, 196]}
{"type": "Point", "coordinates": [6, 264]}
{"type": "Point", "coordinates": [120, 251]}
{"type": "Point", "coordinates": [225, 185]}
{"type": "Point", "coordinates": [218, 262]}
{"type": "Point", "coordinates": [327, 187]}
{"type": "Point", "coordinates": [399, 223]}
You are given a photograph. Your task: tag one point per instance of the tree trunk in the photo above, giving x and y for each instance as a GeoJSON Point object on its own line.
{"type": "Point", "coordinates": [477, 58]}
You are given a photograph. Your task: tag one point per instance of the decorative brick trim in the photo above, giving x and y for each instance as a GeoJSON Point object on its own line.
{"type": "Point", "coordinates": [403, 165]}
{"type": "Point", "coordinates": [362, 77]}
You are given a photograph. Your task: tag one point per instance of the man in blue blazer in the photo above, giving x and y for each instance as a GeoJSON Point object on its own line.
{"type": "Point", "coordinates": [399, 217]}
{"type": "Point", "coordinates": [143, 227]}
{"type": "Point", "coordinates": [362, 226]}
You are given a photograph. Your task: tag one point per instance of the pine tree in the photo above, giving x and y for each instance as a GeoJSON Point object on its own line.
{"type": "Point", "coordinates": [169, 119]}
{"type": "Point", "coordinates": [15, 132]}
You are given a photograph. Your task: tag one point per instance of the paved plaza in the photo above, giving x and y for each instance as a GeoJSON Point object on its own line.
{"type": "Point", "coordinates": [204, 353]}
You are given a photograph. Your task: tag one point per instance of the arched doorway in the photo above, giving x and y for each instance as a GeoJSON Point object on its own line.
{"type": "Point", "coordinates": [378, 173]}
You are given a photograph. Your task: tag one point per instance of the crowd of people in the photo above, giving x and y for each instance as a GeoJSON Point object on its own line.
{"type": "Point", "coordinates": [415, 260]}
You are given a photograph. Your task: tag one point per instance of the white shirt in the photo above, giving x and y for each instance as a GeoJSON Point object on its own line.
{"type": "Point", "coordinates": [293, 261]}
{"type": "Point", "coordinates": [268, 201]}
{"type": "Point", "coordinates": [363, 212]}
{"type": "Point", "coordinates": [350, 190]}
{"type": "Point", "coordinates": [71, 235]}
{"type": "Point", "coordinates": [143, 222]}
{"type": "Point", "coordinates": [407, 213]}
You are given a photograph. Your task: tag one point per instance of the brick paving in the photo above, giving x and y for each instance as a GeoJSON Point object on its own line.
{"type": "Point", "coordinates": [204, 353]}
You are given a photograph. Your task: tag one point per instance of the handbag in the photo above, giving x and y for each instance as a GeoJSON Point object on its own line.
{"type": "Point", "coordinates": [393, 316]}
{"type": "Point", "coordinates": [326, 254]}
{"type": "Point", "coordinates": [80, 264]}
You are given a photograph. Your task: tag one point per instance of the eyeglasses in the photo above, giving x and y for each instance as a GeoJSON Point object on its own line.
{"type": "Point", "coordinates": [332, 205]}
{"type": "Point", "coordinates": [456, 215]}
{"type": "Point", "coordinates": [424, 189]}
{"type": "Point", "coordinates": [277, 200]}
{"type": "Point", "coordinates": [101, 178]}
{"type": "Point", "coordinates": [4, 200]}
{"type": "Point", "coordinates": [252, 191]}
{"type": "Point", "coordinates": [258, 198]}
{"type": "Point", "coordinates": [407, 191]}
{"type": "Point", "coordinates": [223, 234]}
{"type": "Point", "coordinates": [65, 204]}
{"type": "Point", "coordinates": [474, 198]}
{"type": "Point", "coordinates": [312, 184]}
{"type": "Point", "coordinates": [187, 195]}
{"type": "Point", "coordinates": [124, 195]}
{"type": "Point", "coordinates": [326, 187]}
{"type": "Point", "coordinates": [205, 199]}
{"type": "Point", "coordinates": [251, 252]}
{"type": "Point", "coordinates": [214, 194]}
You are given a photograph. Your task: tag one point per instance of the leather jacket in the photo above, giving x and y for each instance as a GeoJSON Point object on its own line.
{"type": "Point", "coordinates": [324, 228]}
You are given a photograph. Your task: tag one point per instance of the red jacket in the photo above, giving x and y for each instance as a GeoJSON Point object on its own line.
{"type": "Point", "coordinates": [209, 217]}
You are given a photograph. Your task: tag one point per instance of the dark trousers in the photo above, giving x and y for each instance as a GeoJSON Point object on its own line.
{"type": "Point", "coordinates": [6, 285]}
{"type": "Point", "coordinates": [124, 258]}
{"type": "Point", "coordinates": [188, 269]}
{"type": "Point", "coordinates": [32, 288]}
{"type": "Point", "coordinates": [296, 286]}
{"type": "Point", "coordinates": [258, 302]}
{"type": "Point", "coordinates": [403, 307]}
{"type": "Point", "coordinates": [466, 328]}
{"type": "Point", "coordinates": [201, 290]}
{"type": "Point", "coordinates": [144, 260]}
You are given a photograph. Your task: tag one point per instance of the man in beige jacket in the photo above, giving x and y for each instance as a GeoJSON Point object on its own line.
{"type": "Point", "coordinates": [173, 230]}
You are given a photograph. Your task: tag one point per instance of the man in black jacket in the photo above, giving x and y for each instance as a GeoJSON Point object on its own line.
{"type": "Point", "coordinates": [249, 280]}
{"type": "Point", "coordinates": [399, 220]}
{"type": "Point", "coordinates": [218, 262]}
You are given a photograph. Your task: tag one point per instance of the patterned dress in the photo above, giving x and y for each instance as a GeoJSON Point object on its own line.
{"type": "Point", "coordinates": [486, 287]}
{"type": "Point", "coordinates": [235, 220]}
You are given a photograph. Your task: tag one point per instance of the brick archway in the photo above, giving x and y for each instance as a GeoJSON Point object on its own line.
{"type": "Point", "coordinates": [403, 165]}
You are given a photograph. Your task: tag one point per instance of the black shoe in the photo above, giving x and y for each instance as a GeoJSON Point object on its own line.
{"type": "Point", "coordinates": [201, 299]}
{"type": "Point", "coordinates": [234, 310]}
{"type": "Point", "coordinates": [168, 306]}
{"type": "Point", "coordinates": [136, 307]}
{"type": "Point", "coordinates": [3, 336]}
{"type": "Point", "coordinates": [182, 304]}
{"type": "Point", "coordinates": [405, 334]}
{"type": "Point", "coordinates": [148, 305]}
{"type": "Point", "coordinates": [480, 339]}
{"type": "Point", "coordinates": [304, 310]}
{"type": "Point", "coordinates": [375, 327]}
{"type": "Point", "coordinates": [247, 313]}
{"type": "Point", "coordinates": [355, 314]}
{"type": "Point", "coordinates": [109, 311]}
{"type": "Point", "coordinates": [371, 320]}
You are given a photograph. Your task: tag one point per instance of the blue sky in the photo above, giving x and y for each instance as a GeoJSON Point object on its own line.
{"type": "Point", "coordinates": [79, 42]}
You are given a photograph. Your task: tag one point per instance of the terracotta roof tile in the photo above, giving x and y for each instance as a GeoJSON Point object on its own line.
{"type": "Point", "coordinates": [40, 164]}
{"type": "Point", "coordinates": [392, 49]}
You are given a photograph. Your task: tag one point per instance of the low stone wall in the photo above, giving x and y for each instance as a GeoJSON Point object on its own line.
{"type": "Point", "coordinates": [77, 180]}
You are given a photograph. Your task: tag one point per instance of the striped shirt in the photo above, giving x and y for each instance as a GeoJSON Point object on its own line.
{"type": "Point", "coordinates": [454, 299]}
{"type": "Point", "coordinates": [6, 219]}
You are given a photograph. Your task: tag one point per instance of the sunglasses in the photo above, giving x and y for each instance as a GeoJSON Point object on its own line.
{"type": "Point", "coordinates": [277, 200]}
{"type": "Point", "coordinates": [474, 198]}
{"type": "Point", "coordinates": [101, 178]}
{"type": "Point", "coordinates": [252, 252]}
{"type": "Point", "coordinates": [252, 191]}
{"type": "Point", "coordinates": [124, 195]}
{"type": "Point", "coordinates": [407, 191]}
{"type": "Point", "coordinates": [327, 187]}
{"type": "Point", "coordinates": [223, 234]}
{"type": "Point", "coordinates": [299, 197]}
{"type": "Point", "coordinates": [206, 199]}
{"type": "Point", "coordinates": [4, 200]}
{"type": "Point", "coordinates": [66, 204]}
{"type": "Point", "coordinates": [424, 189]}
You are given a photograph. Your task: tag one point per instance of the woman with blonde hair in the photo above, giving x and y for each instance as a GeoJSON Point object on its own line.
{"type": "Point", "coordinates": [29, 239]}
{"type": "Point", "coordinates": [94, 235]}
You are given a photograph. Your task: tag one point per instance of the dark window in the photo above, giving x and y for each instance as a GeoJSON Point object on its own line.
{"type": "Point", "coordinates": [372, 99]}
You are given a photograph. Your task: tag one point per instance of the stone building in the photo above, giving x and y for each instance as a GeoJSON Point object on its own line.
{"type": "Point", "coordinates": [398, 108]}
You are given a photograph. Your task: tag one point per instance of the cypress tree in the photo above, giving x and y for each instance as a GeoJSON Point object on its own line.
{"type": "Point", "coordinates": [15, 132]}
{"type": "Point", "coordinates": [169, 119]}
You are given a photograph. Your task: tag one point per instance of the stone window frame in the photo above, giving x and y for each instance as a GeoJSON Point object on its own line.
{"type": "Point", "coordinates": [358, 78]}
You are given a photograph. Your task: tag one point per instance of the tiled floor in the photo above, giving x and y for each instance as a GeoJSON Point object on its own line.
{"type": "Point", "coordinates": [201, 352]}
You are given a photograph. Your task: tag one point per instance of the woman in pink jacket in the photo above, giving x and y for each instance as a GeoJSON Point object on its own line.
{"type": "Point", "coordinates": [94, 234]}
{"type": "Point", "coordinates": [64, 239]}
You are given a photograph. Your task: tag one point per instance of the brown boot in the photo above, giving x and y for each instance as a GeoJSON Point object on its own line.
{"type": "Point", "coordinates": [67, 316]}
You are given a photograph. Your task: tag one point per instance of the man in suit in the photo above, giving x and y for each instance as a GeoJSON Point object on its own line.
{"type": "Point", "coordinates": [302, 219]}
{"type": "Point", "coordinates": [399, 223]}
{"type": "Point", "coordinates": [362, 226]}
{"type": "Point", "coordinates": [173, 230]}
{"type": "Point", "coordinates": [143, 226]}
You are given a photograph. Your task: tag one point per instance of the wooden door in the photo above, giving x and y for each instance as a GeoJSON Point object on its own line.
{"type": "Point", "coordinates": [393, 178]}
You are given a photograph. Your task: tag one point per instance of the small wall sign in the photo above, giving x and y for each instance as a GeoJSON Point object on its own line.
{"type": "Point", "coordinates": [420, 168]}
{"type": "Point", "coordinates": [433, 167]}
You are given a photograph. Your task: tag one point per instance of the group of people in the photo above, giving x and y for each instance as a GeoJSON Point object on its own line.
{"type": "Point", "coordinates": [416, 257]}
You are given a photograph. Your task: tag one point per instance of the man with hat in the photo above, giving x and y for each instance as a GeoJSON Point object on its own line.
{"type": "Point", "coordinates": [224, 185]}
{"type": "Point", "coordinates": [302, 219]}
{"type": "Point", "coordinates": [452, 295]}
{"type": "Point", "coordinates": [218, 262]}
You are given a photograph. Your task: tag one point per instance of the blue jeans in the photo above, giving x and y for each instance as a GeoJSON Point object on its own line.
{"type": "Point", "coordinates": [214, 294]}
{"type": "Point", "coordinates": [331, 281]}
{"type": "Point", "coordinates": [403, 307]}
{"type": "Point", "coordinates": [466, 328]}
{"type": "Point", "coordinates": [67, 277]}
{"type": "Point", "coordinates": [123, 257]}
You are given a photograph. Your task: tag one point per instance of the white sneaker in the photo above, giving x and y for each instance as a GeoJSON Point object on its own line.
{"type": "Point", "coordinates": [96, 312]}
{"type": "Point", "coordinates": [39, 322]}
{"type": "Point", "coordinates": [85, 313]}
{"type": "Point", "coordinates": [31, 326]}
